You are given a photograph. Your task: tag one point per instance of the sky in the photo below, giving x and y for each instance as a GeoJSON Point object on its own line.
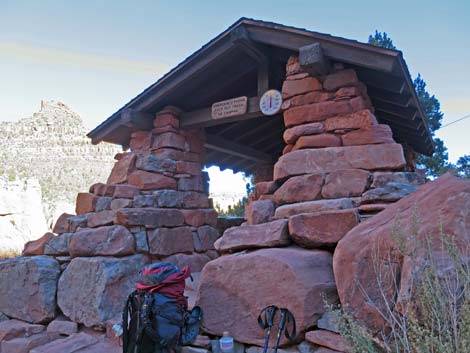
{"type": "Point", "coordinates": [95, 55]}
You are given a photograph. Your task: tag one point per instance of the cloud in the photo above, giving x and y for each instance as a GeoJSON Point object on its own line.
{"type": "Point", "coordinates": [81, 60]}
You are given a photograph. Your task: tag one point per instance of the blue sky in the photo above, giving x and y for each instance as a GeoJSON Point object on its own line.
{"type": "Point", "coordinates": [96, 55]}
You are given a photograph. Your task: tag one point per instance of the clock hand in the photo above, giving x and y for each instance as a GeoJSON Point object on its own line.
{"type": "Point", "coordinates": [270, 102]}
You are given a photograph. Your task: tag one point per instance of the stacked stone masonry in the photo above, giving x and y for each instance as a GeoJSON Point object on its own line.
{"type": "Point", "coordinates": [340, 166]}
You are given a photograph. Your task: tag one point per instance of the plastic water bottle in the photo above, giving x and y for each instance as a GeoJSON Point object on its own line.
{"type": "Point", "coordinates": [117, 329]}
{"type": "Point", "coordinates": [226, 343]}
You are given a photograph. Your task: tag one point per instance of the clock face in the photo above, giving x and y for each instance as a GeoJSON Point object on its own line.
{"type": "Point", "coordinates": [271, 101]}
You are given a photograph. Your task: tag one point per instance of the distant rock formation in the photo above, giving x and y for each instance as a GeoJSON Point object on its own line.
{"type": "Point", "coordinates": [21, 215]}
{"type": "Point", "coordinates": [50, 146]}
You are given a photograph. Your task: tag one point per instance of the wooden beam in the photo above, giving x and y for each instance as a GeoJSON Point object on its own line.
{"type": "Point", "coordinates": [395, 120]}
{"type": "Point", "coordinates": [263, 78]}
{"type": "Point", "coordinates": [409, 113]}
{"type": "Point", "coordinates": [383, 81]}
{"type": "Point", "coordinates": [312, 60]}
{"type": "Point", "coordinates": [220, 144]}
{"type": "Point", "coordinates": [402, 100]}
{"type": "Point", "coordinates": [203, 117]}
{"type": "Point", "coordinates": [137, 120]}
{"type": "Point", "coordinates": [241, 38]}
{"type": "Point", "coordinates": [334, 49]}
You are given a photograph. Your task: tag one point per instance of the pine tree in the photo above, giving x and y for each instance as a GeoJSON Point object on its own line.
{"type": "Point", "coordinates": [463, 166]}
{"type": "Point", "coordinates": [438, 163]}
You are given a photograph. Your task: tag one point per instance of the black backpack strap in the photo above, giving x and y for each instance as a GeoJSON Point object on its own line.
{"type": "Point", "coordinates": [290, 321]}
{"type": "Point", "coordinates": [266, 316]}
{"type": "Point", "coordinates": [125, 321]}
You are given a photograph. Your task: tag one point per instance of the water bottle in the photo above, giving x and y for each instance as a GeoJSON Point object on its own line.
{"type": "Point", "coordinates": [226, 343]}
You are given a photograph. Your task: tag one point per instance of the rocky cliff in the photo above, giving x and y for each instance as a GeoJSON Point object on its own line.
{"type": "Point", "coordinates": [50, 146]}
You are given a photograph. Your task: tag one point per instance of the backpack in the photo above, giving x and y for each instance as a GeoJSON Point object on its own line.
{"type": "Point", "coordinates": [155, 317]}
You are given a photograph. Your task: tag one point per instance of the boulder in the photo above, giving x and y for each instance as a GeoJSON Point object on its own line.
{"type": "Point", "coordinates": [391, 192]}
{"type": "Point", "coordinates": [254, 236]}
{"type": "Point", "coordinates": [328, 339]}
{"type": "Point", "coordinates": [439, 207]}
{"type": "Point", "coordinates": [234, 289]}
{"type": "Point", "coordinates": [286, 211]}
{"type": "Point", "coordinates": [28, 288]}
{"type": "Point", "coordinates": [36, 247]}
{"type": "Point", "coordinates": [151, 181]}
{"type": "Point", "coordinates": [299, 189]}
{"type": "Point", "coordinates": [169, 241]}
{"type": "Point", "coordinates": [11, 329]}
{"type": "Point", "coordinates": [122, 168]}
{"type": "Point", "coordinates": [196, 262]}
{"type": "Point", "coordinates": [104, 241]}
{"type": "Point", "coordinates": [345, 183]}
{"type": "Point", "coordinates": [62, 326]}
{"type": "Point", "coordinates": [93, 290]}
{"type": "Point", "coordinates": [330, 159]}
{"type": "Point", "coordinates": [369, 135]}
{"type": "Point", "coordinates": [149, 217]}
{"type": "Point", "coordinates": [26, 344]}
{"type": "Point", "coordinates": [261, 211]}
{"type": "Point", "coordinates": [311, 230]}
{"type": "Point", "coordinates": [74, 343]}
{"type": "Point", "coordinates": [291, 135]}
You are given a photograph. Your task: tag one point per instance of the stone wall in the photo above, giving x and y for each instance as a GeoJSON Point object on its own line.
{"type": "Point", "coordinates": [339, 167]}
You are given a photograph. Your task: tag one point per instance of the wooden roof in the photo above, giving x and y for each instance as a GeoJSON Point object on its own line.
{"type": "Point", "coordinates": [231, 65]}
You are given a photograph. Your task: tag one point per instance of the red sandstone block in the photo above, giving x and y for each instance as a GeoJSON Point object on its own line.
{"type": "Point", "coordinates": [151, 181]}
{"type": "Point", "coordinates": [360, 103]}
{"type": "Point", "coordinates": [125, 191]}
{"type": "Point", "coordinates": [369, 135]}
{"type": "Point", "coordinates": [169, 241]}
{"type": "Point", "coordinates": [325, 160]}
{"type": "Point", "coordinates": [195, 141]}
{"type": "Point", "coordinates": [193, 183]}
{"type": "Point", "coordinates": [122, 168]}
{"type": "Point", "coordinates": [265, 187]}
{"type": "Point", "coordinates": [26, 344]}
{"type": "Point", "coordinates": [62, 224]}
{"type": "Point", "coordinates": [312, 230]}
{"type": "Point", "coordinates": [120, 203]}
{"type": "Point", "coordinates": [347, 93]}
{"type": "Point", "coordinates": [36, 247]}
{"type": "Point", "coordinates": [355, 120]}
{"type": "Point", "coordinates": [340, 79]}
{"type": "Point", "coordinates": [149, 217]}
{"type": "Point", "coordinates": [287, 149]}
{"type": "Point", "coordinates": [328, 339]}
{"type": "Point", "coordinates": [315, 112]}
{"type": "Point", "coordinates": [85, 203]}
{"type": "Point", "coordinates": [195, 218]}
{"type": "Point", "coordinates": [161, 130]}
{"type": "Point", "coordinates": [141, 141]}
{"type": "Point", "coordinates": [166, 119]}
{"type": "Point", "coordinates": [101, 218]}
{"type": "Point", "coordinates": [184, 167]}
{"type": "Point", "coordinates": [297, 76]}
{"type": "Point", "coordinates": [296, 87]}
{"type": "Point", "coordinates": [308, 98]}
{"type": "Point", "coordinates": [299, 188]}
{"type": "Point", "coordinates": [316, 141]}
{"type": "Point", "coordinates": [293, 66]}
{"type": "Point", "coordinates": [345, 183]}
{"type": "Point", "coordinates": [291, 135]}
{"type": "Point", "coordinates": [169, 140]}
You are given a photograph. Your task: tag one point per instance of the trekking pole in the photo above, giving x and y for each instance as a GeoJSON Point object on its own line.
{"type": "Point", "coordinates": [286, 318]}
{"type": "Point", "coordinates": [268, 322]}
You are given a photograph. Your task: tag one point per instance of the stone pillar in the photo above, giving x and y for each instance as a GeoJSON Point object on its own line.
{"type": "Point", "coordinates": [153, 207]}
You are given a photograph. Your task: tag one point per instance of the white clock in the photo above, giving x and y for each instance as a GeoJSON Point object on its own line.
{"type": "Point", "coordinates": [270, 102]}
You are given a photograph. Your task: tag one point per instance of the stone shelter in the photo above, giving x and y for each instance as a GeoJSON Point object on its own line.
{"type": "Point", "coordinates": [329, 127]}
